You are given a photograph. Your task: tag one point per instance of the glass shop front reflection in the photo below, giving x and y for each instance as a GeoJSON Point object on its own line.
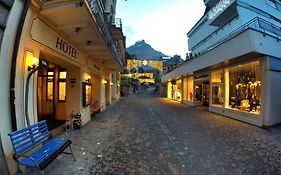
{"type": "Point", "coordinates": [244, 84]}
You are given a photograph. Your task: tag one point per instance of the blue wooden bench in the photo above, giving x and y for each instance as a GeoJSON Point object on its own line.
{"type": "Point", "coordinates": [34, 148]}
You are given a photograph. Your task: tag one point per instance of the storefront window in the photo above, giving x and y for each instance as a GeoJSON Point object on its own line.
{"type": "Point", "coordinates": [190, 88]}
{"type": "Point", "coordinates": [185, 89]}
{"type": "Point", "coordinates": [198, 93]}
{"type": "Point", "coordinates": [50, 85]}
{"type": "Point", "coordinates": [62, 85]}
{"type": "Point", "coordinates": [243, 88]}
{"type": "Point", "coordinates": [169, 90]}
{"type": "Point", "coordinates": [178, 90]}
{"type": "Point", "coordinates": [217, 89]}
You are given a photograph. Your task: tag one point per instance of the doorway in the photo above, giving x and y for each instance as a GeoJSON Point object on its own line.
{"type": "Point", "coordinates": [50, 90]}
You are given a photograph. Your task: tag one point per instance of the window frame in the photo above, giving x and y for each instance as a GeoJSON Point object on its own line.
{"type": "Point", "coordinates": [62, 80]}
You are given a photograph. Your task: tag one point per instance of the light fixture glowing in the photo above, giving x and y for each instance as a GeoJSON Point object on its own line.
{"type": "Point", "coordinates": [35, 63]}
{"type": "Point", "coordinates": [144, 62]}
{"type": "Point", "coordinates": [104, 81]}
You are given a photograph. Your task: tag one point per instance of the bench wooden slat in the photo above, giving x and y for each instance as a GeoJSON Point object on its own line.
{"type": "Point", "coordinates": [31, 140]}
{"type": "Point", "coordinates": [29, 136]}
{"type": "Point", "coordinates": [26, 132]}
{"type": "Point", "coordinates": [27, 128]}
{"type": "Point", "coordinates": [28, 147]}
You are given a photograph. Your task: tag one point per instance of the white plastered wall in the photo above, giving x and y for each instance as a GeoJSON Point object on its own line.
{"type": "Point", "coordinates": [5, 70]}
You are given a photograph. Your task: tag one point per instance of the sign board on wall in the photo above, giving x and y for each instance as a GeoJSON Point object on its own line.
{"type": "Point", "coordinates": [94, 66]}
{"type": "Point", "coordinates": [45, 35]}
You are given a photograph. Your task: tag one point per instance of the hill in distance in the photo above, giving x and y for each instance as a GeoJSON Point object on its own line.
{"type": "Point", "coordinates": [144, 51]}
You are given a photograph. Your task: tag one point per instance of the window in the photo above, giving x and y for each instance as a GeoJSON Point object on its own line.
{"type": "Point", "coordinates": [198, 93]}
{"type": "Point", "coordinates": [217, 89]}
{"type": "Point", "coordinates": [185, 89]}
{"type": "Point", "coordinates": [50, 85]}
{"type": "Point", "coordinates": [190, 88]}
{"type": "Point", "coordinates": [86, 94]}
{"type": "Point", "coordinates": [178, 90]}
{"type": "Point", "coordinates": [62, 85]}
{"type": "Point", "coordinates": [275, 4]}
{"type": "Point", "coordinates": [243, 87]}
{"type": "Point", "coordinates": [271, 3]}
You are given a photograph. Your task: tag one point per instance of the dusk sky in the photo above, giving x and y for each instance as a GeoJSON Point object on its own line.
{"type": "Point", "coordinates": [161, 23]}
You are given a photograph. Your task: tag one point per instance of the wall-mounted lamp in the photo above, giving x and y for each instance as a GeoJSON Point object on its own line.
{"type": "Point", "coordinates": [104, 81]}
{"type": "Point", "coordinates": [35, 63]}
{"type": "Point", "coordinates": [111, 84]}
{"type": "Point", "coordinates": [88, 79]}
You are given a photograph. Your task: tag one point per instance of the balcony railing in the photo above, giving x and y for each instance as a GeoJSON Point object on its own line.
{"type": "Point", "coordinates": [117, 22]}
{"type": "Point", "coordinates": [257, 24]}
{"type": "Point", "coordinates": [98, 12]}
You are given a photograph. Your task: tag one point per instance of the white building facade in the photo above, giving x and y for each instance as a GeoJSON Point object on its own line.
{"type": "Point", "coordinates": [235, 63]}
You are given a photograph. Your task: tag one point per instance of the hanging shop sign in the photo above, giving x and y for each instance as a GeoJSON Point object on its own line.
{"type": "Point", "coordinates": [45, 35]}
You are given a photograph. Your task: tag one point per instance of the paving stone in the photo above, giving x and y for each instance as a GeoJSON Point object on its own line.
{"type": "Point", "coordinates": [169, 138]}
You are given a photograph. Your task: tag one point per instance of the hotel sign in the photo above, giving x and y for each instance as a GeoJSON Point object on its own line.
{"type": "Point", "coordinates": [45, 35]}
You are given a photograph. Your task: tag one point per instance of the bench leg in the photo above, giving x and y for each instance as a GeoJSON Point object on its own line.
{"type": "Point", "coordinates": [18, 170]}
{"type": "Point", "coordinates": [72, 153]}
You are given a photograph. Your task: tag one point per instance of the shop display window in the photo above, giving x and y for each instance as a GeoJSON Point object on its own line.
{"type": "Point", "coordinates": [86, 93]}
{"type": "Point", "coordinates": [190, 88]}
{"type": "Point", "coordinates": [244, 87]}
{"type": "Point", "coordinates": [185, 89]}
{"type": "Point", "coordinates": [217, 88]}
{"type": "Point", "coordinates": [198, 93]}
{"type": "Point", "coordinates": [178, 90]}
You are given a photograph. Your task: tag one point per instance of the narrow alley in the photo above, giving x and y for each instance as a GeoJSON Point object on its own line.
{"type": "Point", "coordinates": [147, 134]}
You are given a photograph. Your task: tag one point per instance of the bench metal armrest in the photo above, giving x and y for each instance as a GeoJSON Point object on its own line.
{"type": "Point", "coordinates": [16, 156]}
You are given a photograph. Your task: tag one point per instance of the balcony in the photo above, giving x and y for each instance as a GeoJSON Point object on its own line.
{"type": "Point", "coordinates": [210, 3]}
{"type": "Point", "coordinates": [87, 26]}
{"type": "Point", "coordinates": [98, 11]}
{"type": "Point", "coordinates": [255, 38]}
{"type": "Point", "coordinates": [117, 33]}
{"type": "Point", "coordinates": [257, 24]}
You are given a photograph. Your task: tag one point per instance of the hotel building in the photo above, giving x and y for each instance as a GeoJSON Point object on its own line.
{"type": "Point", "coordinates": [57, 57]}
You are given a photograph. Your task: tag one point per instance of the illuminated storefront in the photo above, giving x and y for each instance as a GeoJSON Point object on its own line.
{"type": "Point", "coordinates": [234, 59]}
{"type": "Point", "coordinates": [234, 90]}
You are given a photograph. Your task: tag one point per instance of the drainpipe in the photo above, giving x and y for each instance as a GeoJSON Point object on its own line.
{"type": "Point", "coordinates": [43, 63]}
{"type": "Point", "coordinates": [13, 65]}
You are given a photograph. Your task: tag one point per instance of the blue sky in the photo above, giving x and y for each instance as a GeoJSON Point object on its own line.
{"type": "Point", "coordinates": [161, 23]}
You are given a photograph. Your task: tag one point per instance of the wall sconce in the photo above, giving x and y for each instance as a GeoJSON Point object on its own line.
{"type": "Point", "coordinates": [111, 84]}
{"type": "Point", "coordinates": [88, 79]}
{"type": "Point", "coordinates": [104, 81]}
{"type": "Point", "coordinates": [35, 62]}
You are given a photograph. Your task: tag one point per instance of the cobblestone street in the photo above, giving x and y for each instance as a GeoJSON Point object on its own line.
{"type": "Point", "coordinates": [145, 134]}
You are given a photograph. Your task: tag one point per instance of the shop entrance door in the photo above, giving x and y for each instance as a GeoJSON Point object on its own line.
{"type": "Point", "coordinates": [206, 92]}
{"type": "Point", "coordinates": [46, 98]}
